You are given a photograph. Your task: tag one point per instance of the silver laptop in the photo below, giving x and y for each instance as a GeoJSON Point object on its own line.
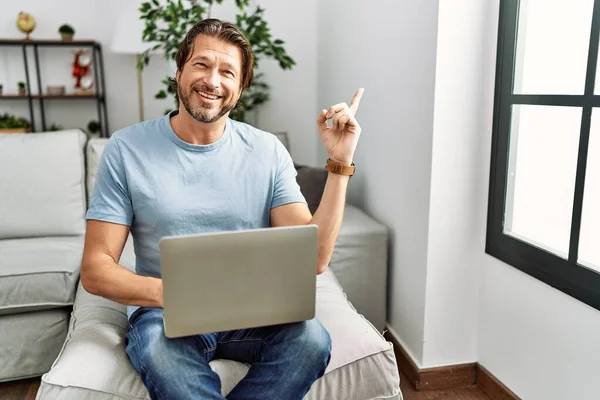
{"type": "Point", "coordinates": [235, 280]}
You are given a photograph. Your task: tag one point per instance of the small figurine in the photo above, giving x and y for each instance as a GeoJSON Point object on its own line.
{"type": "Point", "coordinates": [81, 67]}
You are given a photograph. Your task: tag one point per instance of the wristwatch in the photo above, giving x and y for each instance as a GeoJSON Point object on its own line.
{"type": "Point", "coordinates": [338, 168]}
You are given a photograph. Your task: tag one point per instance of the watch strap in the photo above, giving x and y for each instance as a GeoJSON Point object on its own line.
{"type": "Point", "coordinates": [338, 168]}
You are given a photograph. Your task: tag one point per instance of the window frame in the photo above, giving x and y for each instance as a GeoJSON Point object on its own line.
{"type": "Point", "coordinates": [566, 275]}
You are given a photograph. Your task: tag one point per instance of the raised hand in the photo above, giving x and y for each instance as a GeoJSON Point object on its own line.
{"type": "Point", "coordinates": [340, 139]}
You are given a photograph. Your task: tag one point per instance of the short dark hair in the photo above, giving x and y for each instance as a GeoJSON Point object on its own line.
{"type": "Point", "coordinates": [222, 30]}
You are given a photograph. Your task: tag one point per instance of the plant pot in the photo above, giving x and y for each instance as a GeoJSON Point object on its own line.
{"type": "Point", "coordinates": [22, 92]}
{"type": "Point", "coordinates": [67, 37]}
{"type": "Point", "coordinates": [14, 130]}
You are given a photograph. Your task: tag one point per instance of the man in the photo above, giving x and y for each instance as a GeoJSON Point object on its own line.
{"type": "Point", "coordinates": [196, 170]}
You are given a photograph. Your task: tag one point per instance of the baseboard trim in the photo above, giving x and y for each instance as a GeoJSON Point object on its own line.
{"type": "Point", "coordinates": [448, 377]}
{"type": "Point", "coordinates": [492, 387]}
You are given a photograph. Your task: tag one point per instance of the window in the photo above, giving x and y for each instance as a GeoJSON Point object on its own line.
{"type": "Point", "coordinates": [544, 199]}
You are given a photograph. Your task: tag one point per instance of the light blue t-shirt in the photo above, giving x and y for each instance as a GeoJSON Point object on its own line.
{"type": "Point", "coordinates": [159, 185]}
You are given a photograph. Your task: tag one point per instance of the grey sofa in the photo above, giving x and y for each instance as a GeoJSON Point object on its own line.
{"type": "Point", "coordinates": [51, 327]}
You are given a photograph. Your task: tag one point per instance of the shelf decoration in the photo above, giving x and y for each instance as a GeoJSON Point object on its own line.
{"type": "Point", "coordinates": [26, 23]}
{"type": "Point", "coordinates": [66, 32]}
{"type": "Point", "coordinates": [22, 88]}
{"type": "Point", "coordinates": [82, 72]}
{"type": "Point", "coordinates": [12, 124]}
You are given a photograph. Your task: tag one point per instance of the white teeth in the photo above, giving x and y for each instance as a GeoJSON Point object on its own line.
{"type": "Point", "coordinates": [208, 96]}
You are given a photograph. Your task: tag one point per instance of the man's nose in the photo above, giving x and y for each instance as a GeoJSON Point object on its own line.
{"type": "Point", "coordinates": [213, 79]}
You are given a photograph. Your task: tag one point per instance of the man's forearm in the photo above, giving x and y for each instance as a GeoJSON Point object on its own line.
{"type": "Point", "coordinates": [329, 216]}
{"type": "Point", "coordinates": [118, 284]}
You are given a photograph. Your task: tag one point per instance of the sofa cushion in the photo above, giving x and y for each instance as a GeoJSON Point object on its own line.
{"type": "Point", "coordinates": [94, 150]}
{"type": "Point", "coordinates": [42, 185]}
{"type": "Point", "coordinates": [30, 342]}
{"type": "Point", "coordinates": [38, 273]}
{"type": "Point", "coordinates": [363, 364]}
{"type": "Point", "coordinates": [312, 184]}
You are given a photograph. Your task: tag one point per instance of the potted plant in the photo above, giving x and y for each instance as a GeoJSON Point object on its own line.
{"type": "Point", "coordinates": [55, 127]}
{"type": "Point", "coordinates": [1, 89]}
{"type": "Point", "coordinates": [12, 124]}
{"type": "Point", "coordinates": [93, 128]}
{"type": "Point", "coordinates": [66, 32]}
{"type": "Point", "coordinates": [22, 88]}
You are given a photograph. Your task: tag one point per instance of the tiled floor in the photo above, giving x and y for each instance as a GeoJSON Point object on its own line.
{"type": "Point", "coordinates": [26, 390]}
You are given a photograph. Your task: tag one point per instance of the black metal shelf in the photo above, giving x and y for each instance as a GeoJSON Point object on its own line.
{"type": "Point", "coordinates": [47, 42]}
{"type": "Point", "coordinates": [50, 96]}
{"type": "Point", "coordinates": [98, 67]}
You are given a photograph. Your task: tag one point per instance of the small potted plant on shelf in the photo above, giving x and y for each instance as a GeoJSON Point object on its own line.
{"type": "Point", "coordinates": [12, 124]}
{"type": "Point", "coordinates": [66, 32]}
{"type": "Point", "coordinates": [22, 88]}
{"type": "Point", "coordinates": [1, 89]}
{"type": "Point", "coordinates": [93, 128]}
{"type": "Point", "coordinates": [55, 127]}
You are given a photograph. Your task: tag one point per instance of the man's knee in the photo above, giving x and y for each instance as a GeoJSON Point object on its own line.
{"type": "Point", "coordinates": [314, 341]}
{"type": "Point", "coordinates": [147, 345]}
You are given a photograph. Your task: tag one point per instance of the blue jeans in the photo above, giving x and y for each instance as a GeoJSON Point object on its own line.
{"type": "Point", "coordinates": [284, 360]}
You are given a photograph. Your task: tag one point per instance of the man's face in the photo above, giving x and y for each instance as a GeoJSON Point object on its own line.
{"type": "Point", "coordinates": [208, 85]}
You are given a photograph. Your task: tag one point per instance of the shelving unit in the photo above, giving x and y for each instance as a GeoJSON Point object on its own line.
{"type": "Point", "coordinates": [99, 82]}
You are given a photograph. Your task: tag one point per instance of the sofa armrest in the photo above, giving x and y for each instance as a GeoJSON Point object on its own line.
{"type": "Point", "coordinates": [359, 262]}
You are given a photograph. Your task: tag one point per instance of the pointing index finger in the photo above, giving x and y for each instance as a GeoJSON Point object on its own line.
{"type": "Point", "coordinates": [356, 100]}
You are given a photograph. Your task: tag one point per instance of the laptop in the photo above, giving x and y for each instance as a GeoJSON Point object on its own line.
{"type": "Point", "coordinates": [214, 282]}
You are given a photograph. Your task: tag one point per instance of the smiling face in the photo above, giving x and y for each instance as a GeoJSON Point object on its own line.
{"type": "Point", "coordinates": [209, 84]}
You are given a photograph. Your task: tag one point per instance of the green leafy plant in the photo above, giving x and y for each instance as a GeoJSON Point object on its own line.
{"type": "Point", "coordinates": [9, 121]}
{"type": "Point", "coordinates": [93, 127]}
{"type": "Point", "coordinates": [66, 29]}
{"type": "Point", "coordinates": [22, 88]}
{"type": "Point", "coordinates": [167, 24]}
{"type": "Point", "coordinates": [55, 127]}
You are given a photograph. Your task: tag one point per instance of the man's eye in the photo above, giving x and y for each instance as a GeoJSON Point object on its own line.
{"type": "Point", "coordinates": [200, 64]}
{"type": "Point", "coordinates": [229, 73]}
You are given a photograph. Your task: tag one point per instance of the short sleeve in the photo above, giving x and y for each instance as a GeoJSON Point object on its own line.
{"type": "Point", "coordinates": [111, 200]}
{"type": "Point", "coordinates": [286, 188]}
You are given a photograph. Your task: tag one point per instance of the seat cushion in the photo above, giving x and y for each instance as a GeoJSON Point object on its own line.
{"type": "Point", "coordinates": [38, 273]}
{"type": "Point", "coordinates": [30, 342]}
{"type": "Point", "coordinates": [93, 363]}
{"type": "Point", "coordinates": [42, 185]}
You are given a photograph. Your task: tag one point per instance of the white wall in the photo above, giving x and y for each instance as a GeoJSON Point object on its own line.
{"type": "Point", "coordinates": [292, 108]}
{"type": "Point", "coordinates": [388, 47]}
{"type": "Point", "coordinates": [540, 342]}
{"type": "Point", "coordinates": [452, 276]}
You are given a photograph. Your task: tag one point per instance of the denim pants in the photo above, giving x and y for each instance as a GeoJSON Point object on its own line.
{"type": "Point", "coordinates": [284, 360]}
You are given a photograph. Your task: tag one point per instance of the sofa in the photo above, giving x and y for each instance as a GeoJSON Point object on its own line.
{"type": "Point", "coordinates": [51, 327]}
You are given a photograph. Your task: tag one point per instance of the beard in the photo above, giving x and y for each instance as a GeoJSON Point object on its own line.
{"type": "Point", "coordinates": [203, 112]}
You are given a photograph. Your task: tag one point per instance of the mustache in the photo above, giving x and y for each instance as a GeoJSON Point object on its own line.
{"type": "Point", "coordinates": [207, 89]}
